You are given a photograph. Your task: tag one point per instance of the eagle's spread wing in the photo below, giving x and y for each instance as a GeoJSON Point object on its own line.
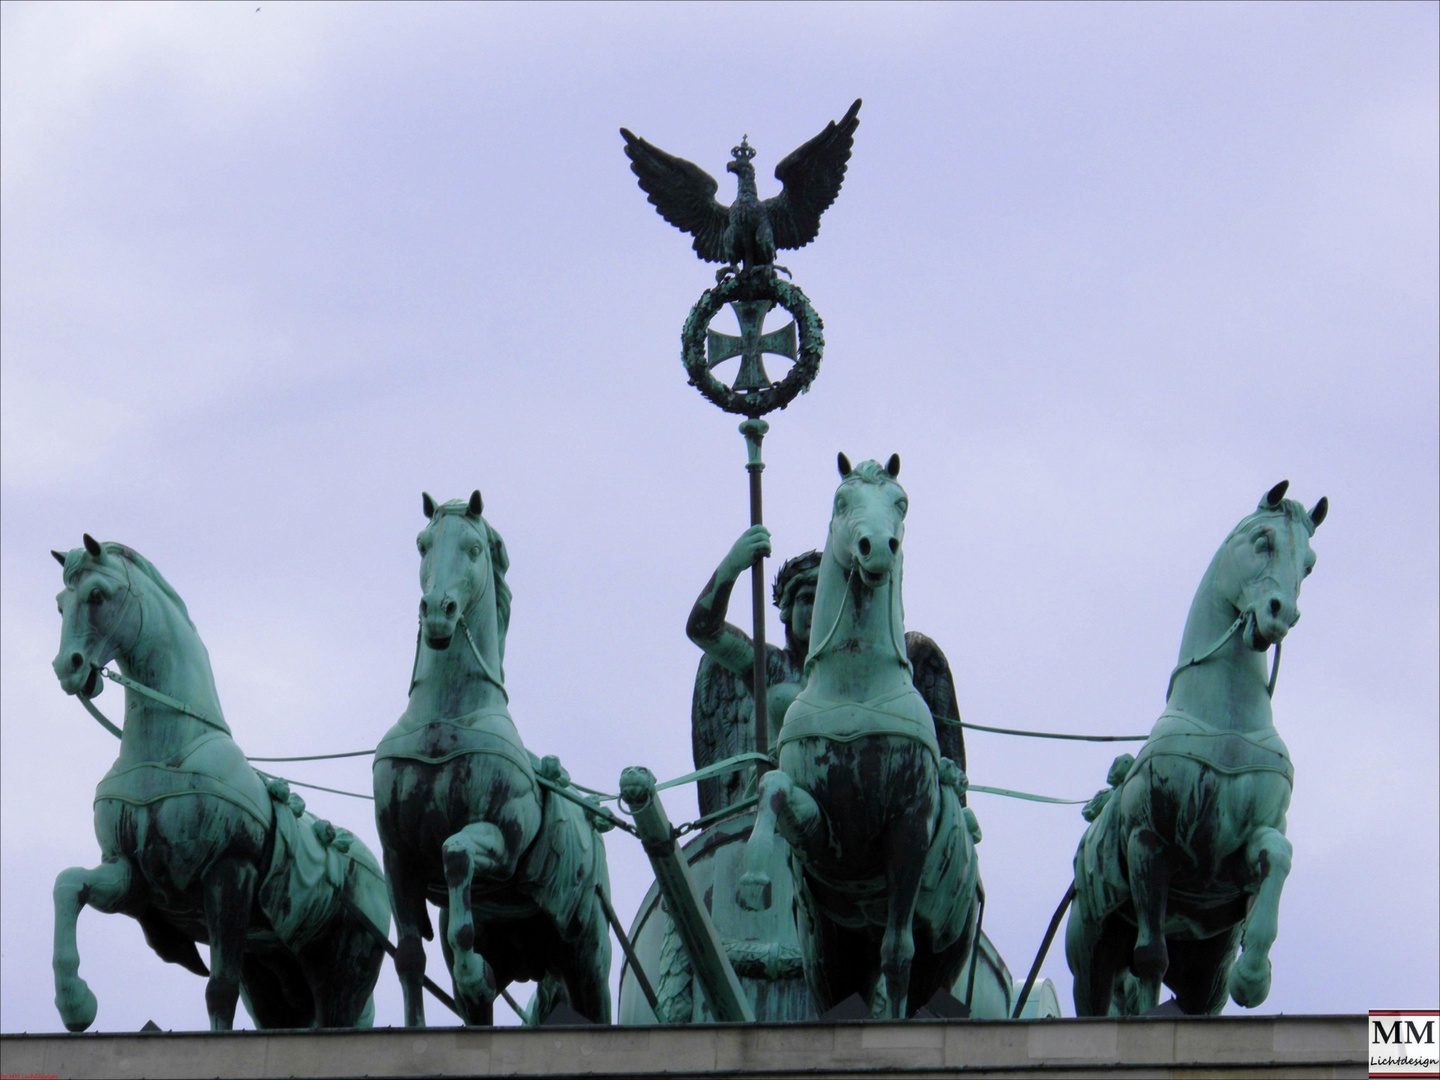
{"type": "Point", "coordinates": [683, 193]}
{"type": "Point", "coordinates": [937, 686]}
{"type": "Point", "coordinates": [812, 176]}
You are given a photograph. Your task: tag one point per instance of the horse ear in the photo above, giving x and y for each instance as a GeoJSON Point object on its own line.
{"type": "Point", "coordinates": [1317, 514]}
{"type": "Point", "coordinates": [476, 504]}
{"type": "Point", "coordinates": [893, 466]}
{"type": "Point", "coordinates": [844, 463]}
{"type": "Point", "coordinates": [1274, 495]}
{"type": "Point", "coordinates": [58, 557]}
{"type": "Point", "coordinates": [92, 545]}
{"type": "Point", "coordinates": [427, 504]}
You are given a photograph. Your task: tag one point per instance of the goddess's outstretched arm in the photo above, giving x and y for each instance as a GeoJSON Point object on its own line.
{"type": "Point", "coordinates": [706, 627]}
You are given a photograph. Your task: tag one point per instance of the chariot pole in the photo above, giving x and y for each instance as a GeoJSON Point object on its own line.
{"type": "Point", "coordinates": [713, 971]}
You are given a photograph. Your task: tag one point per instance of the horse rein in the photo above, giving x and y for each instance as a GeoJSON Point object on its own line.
{"type": "Point", "coordinates": [131, 596]}
{"type": "Point", "coordinates": [819, 650]}
{"type": "Point", "coordinates": [1195, 661]}
{"type": "Point", "coordinates": [490, 676]}
{"type": "Point", "coordinates": [479, 659]}
{"type": "Point", "coordinates": [145, 691]}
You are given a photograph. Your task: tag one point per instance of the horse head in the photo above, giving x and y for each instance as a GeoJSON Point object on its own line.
{"type": "Point", "coordinates": [461, 558]}
{"type": "Point", "coordinates": [1263, 562]}
{"type": "Point", "coordinates": [868, 522]}
{"type": "Point", "coordinates": [99, 611]}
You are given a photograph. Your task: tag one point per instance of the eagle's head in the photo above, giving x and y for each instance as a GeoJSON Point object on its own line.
{"type": "Point", "coordinates": [740, 165]}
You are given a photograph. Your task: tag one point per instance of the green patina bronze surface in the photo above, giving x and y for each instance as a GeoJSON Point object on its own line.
{"type": "Point", "coordinates": [196, 845]}
{"type": "Point", "coordinates": [1185, 857]}
{"type": "Point", "coordinates": [723, 707]}
{"type": "Point", "coordinates": [752, 294]}
{"type": "Point", "coordinates": [745, 236]}
{"type": "Point", "coordinates": [763, 945]}
{"type": "Point", "coordinates": [750, 230]}
{"type": "Point", "coordinates": [469, 820]}
{"type": "Point", "coordinates": [693, 926]}
{"type": "Point", "coordinates": [885, 910]}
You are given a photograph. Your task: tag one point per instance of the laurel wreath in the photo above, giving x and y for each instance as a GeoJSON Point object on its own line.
{"type": "Point", "coordinates": [753, 286]}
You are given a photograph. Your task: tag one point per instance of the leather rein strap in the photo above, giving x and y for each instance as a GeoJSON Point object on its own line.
{"type": "Point", "coordinates": [1195, 661]}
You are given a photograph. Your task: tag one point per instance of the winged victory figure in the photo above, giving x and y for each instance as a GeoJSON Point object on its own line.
{"type": "Point", "coordinates": [722, 710]}
{"type": "Point", "coordinates": [750, 230]}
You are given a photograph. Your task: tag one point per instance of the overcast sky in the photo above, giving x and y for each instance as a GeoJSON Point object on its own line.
{"type": "Point", "coordinates": [1101, 275]}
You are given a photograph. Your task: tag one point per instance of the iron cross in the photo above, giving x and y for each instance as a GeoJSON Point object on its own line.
{"type": "Point", "coordinates": [751, 344]}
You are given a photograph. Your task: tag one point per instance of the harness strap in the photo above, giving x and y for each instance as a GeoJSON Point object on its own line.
{"type": "Point", "coordinates": [479, 659]}
{"type": "Point", "coordinates": [1274, 672]}
{"type": "Point", "coordinates": [1213, 649]}
{"type": "Point", "coordinates": [164, 699]}
{"type": "Point", "coordinates": [819, 650]}
{"type": "Point", "coordinates": [100, 718]}
{"type": "Point", "coordinates": [153, 695]}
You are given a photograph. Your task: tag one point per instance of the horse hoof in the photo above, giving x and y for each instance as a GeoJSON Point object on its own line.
{"type": "Point", "coordinates": [753, 893]}
{"type": "Point", "coordinates": [1249, 987]}
{"type": "Point", "coordinates": [470, 978]}
{"type": "Point", "coordinates": [77, 1006]}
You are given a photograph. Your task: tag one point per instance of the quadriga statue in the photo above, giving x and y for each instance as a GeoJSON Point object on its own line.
{"type": "Point", "coordinates": [883, 847]}
{"type": "Point", "coordinates": [1184, 862]}
{"type": "Point", "coordinates": [195, 844]}
{"type": "Point", "coordinates": [464, 819]}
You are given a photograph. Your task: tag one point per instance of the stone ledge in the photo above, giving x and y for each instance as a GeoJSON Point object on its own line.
{"type": "Point", "coordinates": [1225, 1046]}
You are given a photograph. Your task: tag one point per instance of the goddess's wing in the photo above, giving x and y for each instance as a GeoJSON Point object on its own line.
{"type": "Point", "coordinates": [937, 686]}
{"type": "Point", "coordinates": [722, 724]}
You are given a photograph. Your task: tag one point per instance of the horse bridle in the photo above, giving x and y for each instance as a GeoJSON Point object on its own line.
{"type": "Point", "coordinates": [1196, 661]}
{"type": "Point", "coordinates": [134, 684]}
{"type": "Point", "coordinates": [490, 675]}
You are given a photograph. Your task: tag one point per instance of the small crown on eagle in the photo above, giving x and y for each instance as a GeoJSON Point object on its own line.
{"type": "Point", "coordinates": [743, 152]}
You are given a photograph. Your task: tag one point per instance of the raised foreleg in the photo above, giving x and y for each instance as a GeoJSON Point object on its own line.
{"type": "Point", "coordinates": [478, 850]}
{"type": "Point", "coordinates": [228, 891]}
{"type": "Point", "coordinates": [1149, 870]}
{"type": "Point", "coordinates": [1267, 856]}
{"type": "Point", "coordinates": [106, 888]}
{"type": "Point", "coordinates": [789, 808]}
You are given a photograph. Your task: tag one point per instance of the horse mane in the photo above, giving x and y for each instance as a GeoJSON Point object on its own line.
{"type": "Point", "coordinates": [872, 472]}
{"type": "Point", "coordinates": [1293, 509]}
{"type": "Point", "coordinates": [499, 563]}
{"type": "Point", "coordinates": [78, 557]}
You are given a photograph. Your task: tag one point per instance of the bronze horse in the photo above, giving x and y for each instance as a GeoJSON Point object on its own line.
{"type": "Point", "coordinates": [463, 818]}
{"type": "Point", "coordinates": [195, 845]}
{"type": "Point", "coordinates": [1186, 857]}
{"type": "Point", "coordinates": [884, 857]}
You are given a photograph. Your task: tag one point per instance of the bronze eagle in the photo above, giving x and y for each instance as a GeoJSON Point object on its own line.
{"type": "Point", "coordinates": [748, 231]}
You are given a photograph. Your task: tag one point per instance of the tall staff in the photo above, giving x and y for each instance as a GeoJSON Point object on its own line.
{"type": "Point", "coordinates": [753, 395]}
{"type": "Point", "coordinates": [745, 236]}
{"type": "Point", "coordinates": [754, 430]}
